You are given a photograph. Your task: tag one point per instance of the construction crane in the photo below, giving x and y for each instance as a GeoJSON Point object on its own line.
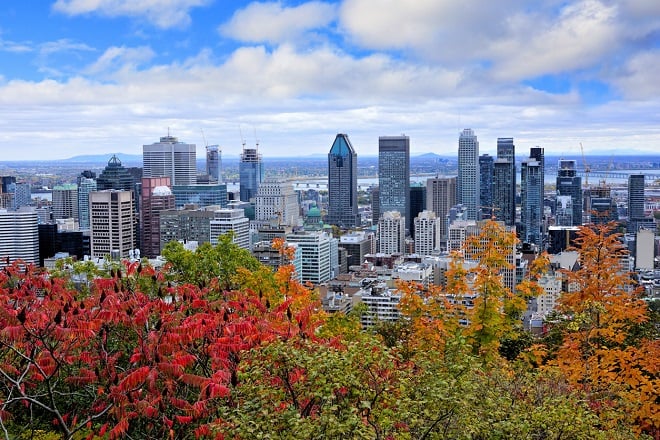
{"type": "Point", "coordinates": [587, 168]}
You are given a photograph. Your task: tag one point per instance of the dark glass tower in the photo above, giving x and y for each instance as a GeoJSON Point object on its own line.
{"type": "Point", "coordinates": [394, 174]}
{"type": "Point", "coordinates": [570, 184]}
{"type": "Point", "coordinates": [214, 162]}
{"type": "Point", "coordinates": [486, 168]}
{"type": "Point", "coordinates": [115, 176]}
{"type": "Point", "coordinates": [504, 191]}
{"type": "Point", "coordinates": [251, 173]}
{"type": "Point", "coordinates": [636, 196]}
{"type": "Point", "coordinates": [531, 204]}
{"type": "Point", "coordinates": [417, 205]}
{"type": "Point", "coordinates": [342, 184]}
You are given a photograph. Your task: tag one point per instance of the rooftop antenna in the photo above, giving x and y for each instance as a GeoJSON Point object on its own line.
{"type": "Point", "coordinates": [256, 141]}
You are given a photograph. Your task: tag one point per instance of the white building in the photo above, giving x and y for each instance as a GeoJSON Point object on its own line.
{"type": "Point", "coordinates": [231, 220]}
{"type": "Point", "coordinates": [391, 233]}
{"type": "Point", "coordinates": [645, 250]}
{"type": "Point", "coordinates": [170, 158]}
{"type": "Point", "coordinates": [382, 304]}
{"type": "Point", "coordinates": [468, 181]}
{"type": "Point", "coordinates": [427, 233]}
{"type": "Point", "coordinates": [19, 236]}
{"type": "Point", "coordinates": [277, 200]}
{"type": "Point", "coordinates": [317, 255]}
{"type": "Point", "coordinates": [112, 223]}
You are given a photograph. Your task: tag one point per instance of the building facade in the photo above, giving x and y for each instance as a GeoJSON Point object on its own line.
{"type": "Point", "coordinates": [85, 186]}
{"type": "Point", "coordinates": [441, 193]}
{"type": "Point", "coordinates": [342, 184]}
{"type": "Point", "coordinates": [251, 173]}
{"type": "Point", "coordinates": [65, 201]}
{"type": "Point", "coordinates": [531, 203]}
{"type": "Point", "coordinates": [394, 174]}
{"type": "Point", "coordinates": [170, 158]}
{"type": "Point", "coordinates": [214, 163]}
{"type": "Point", "coordinates": [570, 184]}
{"type": "Point", "coordinates": [112, 223]}
{"type": "Point", "coordinates": [486, 171]}
{"type": "Point", "coordinates": [315, 248]}
{"type": "Point", "coordinates": [504, 181]}
{"type": "Point", "coordinates": [391, 233]}
{"type": "Point", "coordinates": [234, 221]}
{"type": "Point", "coordinates": [19, 236]}
{"type": "Point", "coordinates": [427, 233]}
{"type": "Point", "coordinates": [468, 182]}
{"type": "Point", "coordinates": [277, 201]}
{"type": "Point", "coordinates": [156, 197]}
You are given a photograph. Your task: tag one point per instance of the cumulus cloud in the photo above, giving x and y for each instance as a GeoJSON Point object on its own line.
{"type": "Point", "coordinates": [638, 79]}
{"type": "Point", "coordinates": [162, 13]}
{"type": "Point", "coordinates": [274, 23]}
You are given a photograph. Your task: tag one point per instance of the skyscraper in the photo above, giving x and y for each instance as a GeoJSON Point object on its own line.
{"type": "Point", "coordinates": [440, 197]}
{"type": "Point", "coordinates": [170, 158]}
{"type": "Point", "coordinates": [112, 221]}
{"type": "Point", "coordinates": [391, 233]}
{"type": "Point", "coordinates": [417, 204]}
{"type": "Point", "coordinates": [156, 198]}
{"type": "Point", "coordinates": [231, 220]}
{"type": "Point", "coordinates": [19, 236]}
{"type": "Point", "coordinates": [570, 184]}
{"type": "Point", "coordinates": [636, 196]}
{"type": "Point", "coordinates": [468, 186]}
{"type": "Point", "coordinates": [531, 204]}
{"type": "Point", "coordinates": [115, 176]}
{"type": "Point", "coordinates": [504, 191]}
{"type": "Point", "coordinates": [214, 162]}
{"type": "Point", "coordinates": [342, 184]}
{"type": "Point", "coordinates": [394, 174]}
{"type": "Point", "coordinates": [65, 201]}
{"type": "Point", "coordinates": [251, 173]}
{"type": "Point", "coordinates": [277, 200]}
{"type": "Point", "coordinates": [85, 186]}
{"type": "Point", "coordinates": [427, 232]}
{"type": "Point", "coordinates": [486, 169]}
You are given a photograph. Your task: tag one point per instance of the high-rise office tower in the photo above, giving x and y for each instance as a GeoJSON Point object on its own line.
{"type": "Point", "coordinates": [427, 233]}
{"type": "Point", "coordinates": [231, 220]}
{"type": "Point", "coordinates": [65, 201]}
{"type": "Point", "coordinates": [112, 221]}
{"type": "Point", "coordinates": [251, 173]}
{"type": "Point", "coordinates": [417, 204]}
{"type": "Point", "coordinates": [531, 203]}
{"type": "Point", "coordinates": [570, 184]}
{"type": "Point", "coordinates": [115, 176]}
{"type": "Point", "coordinates": [277, 201]}
{"type": "Point", "coordinates": [19, 236]}
{"type": "Point", "coordinates": [440, 197]}
{"type": "Point", "coordinates": [214, 162]}
{"type": "Point", "coordinates": [156, 197]}
{"type": "Point", "coordinates": [23, 195]}
{"type": "Point", "coordinates": [85, 186]}
{"type": "Point", "coordinates": [636, 196]}
{"type": "Point", "coordinates": [170, 158]}
{"type": "Point", "coordinates": [564, 211]}
{"type": "Point", "coordinates": [394, 174]}
{"type": "Point", "coordinates": [342, 184]}
{"type": "Point", "coordinates": [504, 190]}
{"type": "Point", "coordinates": [391, 233]}
{"type": "Point", "coordinates": [317, 255]}
{"type": "Point", "coordinates": [486, 169]}
{"type": "Point", "coordinates": [468, 184]}
{"type": "Point", "coordinates": [538, 153]}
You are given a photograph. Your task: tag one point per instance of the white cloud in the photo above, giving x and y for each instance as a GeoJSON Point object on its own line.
{"type": "Point", "coordinates": [162, 13]}
{"type": "Point", "coordinates": [274, 23]}
{"type": "Point", "coordinates": [579, 37]}
{"type": "Point", "coordinates": [117, 58]}
{"type": "Point", "coordinates": [638, 78]}
{"type": "Point", "coordinates": [63, 45]}
{"type": "Point", "coordinates": [15, 47]}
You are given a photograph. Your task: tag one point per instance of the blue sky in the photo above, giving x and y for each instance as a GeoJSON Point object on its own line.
{"type": "Point", "coordinates": [101, 76]}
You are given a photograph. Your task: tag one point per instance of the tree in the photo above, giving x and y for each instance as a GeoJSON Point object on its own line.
{"type": "Point", "coordinates": [597, 354]}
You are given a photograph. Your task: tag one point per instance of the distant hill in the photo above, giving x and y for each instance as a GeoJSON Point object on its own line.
{"type": "Point", "coordinates": [104, 158]}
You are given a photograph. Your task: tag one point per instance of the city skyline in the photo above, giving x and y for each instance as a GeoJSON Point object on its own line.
{"type": "Point", "coordinates": [114, 75]}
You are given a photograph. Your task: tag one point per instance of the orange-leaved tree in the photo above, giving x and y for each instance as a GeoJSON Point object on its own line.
{"type": "Point", "coordinates": [597, 355]}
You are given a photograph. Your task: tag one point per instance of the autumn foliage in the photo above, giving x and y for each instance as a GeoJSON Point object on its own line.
{"type": "Point", "coordinates": [217, 346]}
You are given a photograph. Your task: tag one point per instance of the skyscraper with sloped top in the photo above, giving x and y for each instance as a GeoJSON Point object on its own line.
{"type": "Point", "coordinates": [342, 184]}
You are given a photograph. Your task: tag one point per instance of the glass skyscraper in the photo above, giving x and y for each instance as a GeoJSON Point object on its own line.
{"type": "Point", "coordinates": [342, 184]}
{"type": "Point", "coordinates": [394, 174]}
{"type": "Point", "coordinates": [504, 191]}
{"type": "Point", "coordinates": [486, 169]}
{"type": "Point", "coordinates": [570, 184]}
{"type": "Point", "coordinates": [467, 184]}
{"type": "Point", "coordinates": [636, 196]}
{"type": "Point", "coordinates": [531, 204]}
{"type": "Point", "coordinates": [251, 173]}
{"type": "Point", "coordinates": [214, 162]}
